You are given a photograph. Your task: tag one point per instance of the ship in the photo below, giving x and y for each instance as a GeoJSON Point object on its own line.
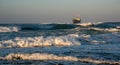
{"type": "Point", "coordinates": [76, 20]}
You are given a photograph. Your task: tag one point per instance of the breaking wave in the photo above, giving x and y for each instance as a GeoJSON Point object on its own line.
{"type": "Point", "coordinates": [9, 29]}
{"type": "Point", "coordinates": [105, 30]}
{"type": "Point", "coordinates": [85, 24]}
{"type": "Point", "coordinates": [40, 41]}
{"type": "Point", "coordinates": [45, 56]}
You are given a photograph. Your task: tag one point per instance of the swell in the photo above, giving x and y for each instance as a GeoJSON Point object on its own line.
{"type": "Point", "coordinates": [48, 27]}
{"type": "Point", "coordinates": [108, 25]}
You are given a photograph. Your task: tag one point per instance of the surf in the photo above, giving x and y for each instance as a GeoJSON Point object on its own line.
{"type": "Point", "coordinates": [45, 56]}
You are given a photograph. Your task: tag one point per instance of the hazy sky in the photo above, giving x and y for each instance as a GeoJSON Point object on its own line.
{"type": "Point", "coordinates": [58, 11]}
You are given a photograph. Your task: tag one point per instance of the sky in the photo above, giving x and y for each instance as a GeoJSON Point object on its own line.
{"type": "Point", "coordinates": [59, 11]}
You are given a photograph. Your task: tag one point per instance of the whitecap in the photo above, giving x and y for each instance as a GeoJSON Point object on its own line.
{"type": "Point", "coordinates": [106, 29]}
{"type": "Point", "coordinates": [85, 24]}
{"type": "Point", "coordinates": [40, 41]}
{"type": "Point", "coordinates": [9, 29]}
{"type": "Point", "coordinates": [112, 30]}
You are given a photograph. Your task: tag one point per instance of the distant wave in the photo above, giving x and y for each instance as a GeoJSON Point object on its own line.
{"type": "Point", "coordinates": [105, 30]}
{"type": "Point", "coordinates": [108, 25]}
{"type": "Point", "coordinates": [22, 27]}
{"type": "Point", "coordinates": [9, 29]}
{"type": "Point", "coordinates": [48, 27]}
{"type": "Point", "coordinates": [45, 56]}
{"type": "Point", "coordinates": [101, 26]}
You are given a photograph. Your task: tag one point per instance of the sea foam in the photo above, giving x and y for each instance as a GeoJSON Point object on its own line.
{"type": "Point", "coordinates": [46, 56]}
{"type": "Point", "coordinates": [106, 29]}
{"type": "Point", "coordinates": [40, 41]}
{"type": "Point", "coordinates": [85, 24]}
{"type": "Point", "coordinates": [9, 29]}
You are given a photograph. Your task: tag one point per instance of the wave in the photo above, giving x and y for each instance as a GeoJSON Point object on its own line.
{"type": "Point", "coordinates": [48, 27]}
{"type": "Point", "coordinates": [108, 25]}
{"type": "Point", "coordinates": [85, 24]}
{"type": "Point", "coordinates": [66, 40]}
{"type": "Point", "coordinates": [45, 56]}
{"type": "Point", "coordinates": [9, 29]}
{"type": "Point", "coordinates": [113, 26]}
{"type": "Point", "coordinates": [40, 41]}
{"type": "Point", "coordinates": [21, 27]}
{"type": "Point", "coordinates": [105, 30]}
{"type": "Point", "coordinates": [100, 24]}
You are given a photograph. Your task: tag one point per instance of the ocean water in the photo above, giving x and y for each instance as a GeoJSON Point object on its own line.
{"type": "Point", "coordinates": [60, 44]}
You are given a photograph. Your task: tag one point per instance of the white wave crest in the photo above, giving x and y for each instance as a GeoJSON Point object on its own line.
{"type": "Point", "coordinates": [112, 30]}
{"type": "Point", "coordinates": [85, 24]}
{"type": "Point", "coordinates": [106, 29]}
{"type": "Point", "coordinates": [118, 27]}
{"type": "Point", "coordinates": [9, 29]}
{"type": "Point", "coordinates": [45, 56]}
{"type": "Point", "coordinates": [40, 41]}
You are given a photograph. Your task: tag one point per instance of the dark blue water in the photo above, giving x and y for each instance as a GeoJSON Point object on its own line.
{"type": "Point", "coordinates": [65, 44]}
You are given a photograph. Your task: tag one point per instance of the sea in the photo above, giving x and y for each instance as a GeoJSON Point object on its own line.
{"type": "Point", "coordinates": [60, 44]}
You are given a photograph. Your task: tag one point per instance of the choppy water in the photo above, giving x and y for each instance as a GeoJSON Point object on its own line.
{"type": "Point", "coordinates": [62, 44]}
